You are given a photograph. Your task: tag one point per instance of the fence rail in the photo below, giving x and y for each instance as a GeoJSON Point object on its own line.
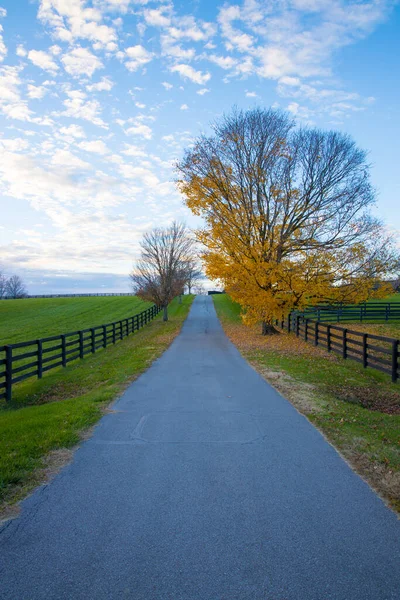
{"type": "Point", "coordinates": [373, 311]}
{"type": "Point", "coordinates": [34, 358]}
{"type": "Point", "coordinates": [370, 350]}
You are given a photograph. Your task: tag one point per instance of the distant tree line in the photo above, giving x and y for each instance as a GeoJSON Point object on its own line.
{"type": "Point", "coordinates": [12, 287]}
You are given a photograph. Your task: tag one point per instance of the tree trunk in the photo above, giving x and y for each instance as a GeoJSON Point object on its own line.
{"type": "Point", "coordinates": [189, 287]}
{"type": "Point", "coordinates": [268, 328]}
{"type": "Point", "coordinates": [180, 298]}
{"type": "Point", "coordinates": [165, 315]}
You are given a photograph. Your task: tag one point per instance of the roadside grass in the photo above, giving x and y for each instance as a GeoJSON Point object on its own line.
{"type": "Point", "coordinates": [357, 410]}
{"type": "Point", "coordinates": [53, 413]}
{"type": "Point", "coordinates": [32, 318]}
{"type": "Point", "coordinates": [391, 298]}
{"type": "Point", "coordinates": [390, 329]}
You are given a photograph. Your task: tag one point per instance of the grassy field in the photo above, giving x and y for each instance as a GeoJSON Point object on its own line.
{"type": "Point", "coordinates": [50, 415]}
{"type": "Point", "coordinates": [31, 318]}
{"type": "Point", "coordinates": [357, 410]}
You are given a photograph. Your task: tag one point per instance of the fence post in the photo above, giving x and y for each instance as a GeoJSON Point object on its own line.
{"type": "Point", "coordinates": [63, 351]}
{"type": "Point", "coordinates": [113, 332]}
{"type": "Point", "coordinates": [395, 351]}
{"type": "Point", "coordinates": [8, 373]}
{"type": "Point", "coordinates": [297, 325]}
{"type": "Point", "coordinates": [93, 341]}
{"type": "Point", "coordinates": [81, 344]}
{"type": "Point", "coordinates": [288, 323]}
{"type": "Point", "coordinates": [40, 358]}
{"type": "Point", "coordinates": [306, 330]}
{"type": "Point", "coordinates": [127, 326]}
{"type": "Point", "coordinates": [386, 313]}
{"type": "Point", "coordinates": [344, 349]}
{"type": "Point", "coordinates": [104, 336]}
{"type": "Point", "coordinates": [365, 350]}
{"type": "Point", "coordinates": [328, 337]}
{"type": "Point", "coordinates": [316, 334]}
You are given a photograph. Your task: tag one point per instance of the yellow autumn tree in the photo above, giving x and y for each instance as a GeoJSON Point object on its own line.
{"type": "Point", "coordinates": [286, 213]}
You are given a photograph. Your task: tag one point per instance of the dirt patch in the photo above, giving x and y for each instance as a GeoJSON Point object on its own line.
{"type": "Point", "coordinates": [384, 480]}
{"type": "Point", "coordinates": [301, 395]}
{"type": "Point", "coordinates": [371, 397]}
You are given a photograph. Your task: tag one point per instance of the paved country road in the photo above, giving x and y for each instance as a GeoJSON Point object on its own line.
{"type": "Point", "coordinates": [204, 484]}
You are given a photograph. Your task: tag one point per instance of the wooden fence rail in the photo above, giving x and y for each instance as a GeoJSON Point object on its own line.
{"type": "Point", "coordinates": [370, 350]}
{"type": "Point", "coordinates": [373, 311]}
{"type": "Point", "coordinates": [32, 359]}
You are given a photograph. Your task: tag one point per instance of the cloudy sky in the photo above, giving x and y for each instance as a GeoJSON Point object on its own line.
{"type": "Point", "coordinates": [98, 98]}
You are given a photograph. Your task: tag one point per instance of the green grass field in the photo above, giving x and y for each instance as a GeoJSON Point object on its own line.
{"type": "Point", "coordinates": [32, 318]}
{"type": "Point", "coordinates": [357, 409]}
{"type": "Point", "coordinates": [50, 414]}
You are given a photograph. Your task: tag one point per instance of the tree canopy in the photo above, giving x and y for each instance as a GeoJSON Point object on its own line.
{"type": "Point", "coordinates": [287, 214]}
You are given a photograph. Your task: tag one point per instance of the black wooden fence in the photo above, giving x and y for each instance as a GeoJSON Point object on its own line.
{"type": "Point", "coordinates": [31, 359]}
{"type": "Point", "coordinates": [373, 312]}
{"type": "Point", "coordinates": [370, 350]}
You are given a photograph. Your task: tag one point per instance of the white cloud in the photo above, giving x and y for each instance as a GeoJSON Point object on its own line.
{"type": "Point", "coordinates": [131, 150]}
{"type": "Point", "coordinates": [78, 108]}
{"type": "Point", "coordinates": [142, 174]}
{"type": "Point", "coordinates": [168, 86]}
{"type": "Point", "coordinates": [14, 144]}
{"type": "Point", "coordinates": [3, 47]}
{"type": "Point", "coordinates": [156, 17]}
{"type": "Point", "coordinates": [67, 160]}
{"type": "Point", "coordinates": [55, 50]}
{"type": "Point", "coordinates": [184, 107]}
{"type": "Point", "coordinates": [11, 103]}
{"type": "Point", "coordinates": [202, 91]}
{"type": "Point", "coordinates": [36, 91]}
{"type": "Point", "coordinates": [188, 72]}
{"type": "Point", "coordinates": [80, 62]}
{"type": "Point", "coordinates": [71, 20]}
{"type": "Point", "coordinates": [104, 85]}
{"type": "Point", "coordinates": [20, 51]}
{"type": "Point", "coordinates": [188, 28]}
{"type": "Point", "coordinates": [96, 146]}
{"type": "Point", "coordinates": [225, 62]}
{"type": "Point", "coordinates": [75, 131]}
{"type": "Point", "coordinates": [141, 130]}
{"type": "Point", "coordinates": [42, 60]}
{"type": "Point", "coordinates": [138, 56]}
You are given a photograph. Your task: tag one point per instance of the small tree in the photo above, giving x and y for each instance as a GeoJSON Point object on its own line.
{"type": "Point", "coordinates": [160, 274]}
{"type": "Point", "coordinates": [15, 287]}
{"type": "Point", "coordinates": [3, 284]}
{"type": "Point", "coordinates": [193, 273]}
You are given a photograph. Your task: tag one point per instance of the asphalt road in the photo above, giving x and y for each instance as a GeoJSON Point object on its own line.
{"type": "Point", "coordinates": [205, 484]}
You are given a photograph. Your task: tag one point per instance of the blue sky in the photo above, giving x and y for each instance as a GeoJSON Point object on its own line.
{"type": "Point", "coordinates": [99, 98]}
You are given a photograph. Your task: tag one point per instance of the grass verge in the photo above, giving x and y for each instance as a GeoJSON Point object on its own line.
{"type": "Point", "coordinates": [50, 415]}
{"type": "Point", "coordinates": [357, 410]}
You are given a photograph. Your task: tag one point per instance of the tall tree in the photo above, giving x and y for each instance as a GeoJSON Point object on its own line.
{"type": "Point", "coordinates": [286, 213]}
{"type": "Point", "coordinates": [15, 287]}
{"type": "Point", "coordinates": [160, 273]}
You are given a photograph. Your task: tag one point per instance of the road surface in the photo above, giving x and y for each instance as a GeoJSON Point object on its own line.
{"type": "Point", "coordinates": [204, 484]}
